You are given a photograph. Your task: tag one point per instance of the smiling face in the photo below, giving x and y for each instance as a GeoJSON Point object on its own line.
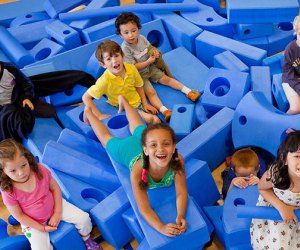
{"type": "Point", "coordinates": [130, 32]}
{"type": "Point", "coordinates": [160, 147]}
{"type": "Point", "coordinates": [114, 63]}
{"type": "Point", "coordinates": [293, 163]}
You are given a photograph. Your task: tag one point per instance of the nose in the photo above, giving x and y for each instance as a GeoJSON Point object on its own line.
{"type": "Point", "coordinates": [20, 172]}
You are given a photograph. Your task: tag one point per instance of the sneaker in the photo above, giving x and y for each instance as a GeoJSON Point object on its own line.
{"type": "Point", "coordinates": [193, 95]}
{"type": "Point", "coordinates": [91, 244]}
{"type": "Point", "coordinates": [167, 115]}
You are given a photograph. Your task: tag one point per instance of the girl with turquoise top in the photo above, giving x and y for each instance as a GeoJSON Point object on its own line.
{"type": "Point", "coordinates": [152, 157]}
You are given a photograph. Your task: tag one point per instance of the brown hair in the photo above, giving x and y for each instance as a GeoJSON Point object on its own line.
{"type": "Point", "coordinates": [107, 46]}
{"type": "Point", "coordinates": [246, 158]}
{"type": "Point", "coordinates": [9, 149]}
{"type": "Point", "coordinates": [127, 17]}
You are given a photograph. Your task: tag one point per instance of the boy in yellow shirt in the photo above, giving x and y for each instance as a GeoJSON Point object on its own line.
{"type": "Point", "coordinates": [119, 78]}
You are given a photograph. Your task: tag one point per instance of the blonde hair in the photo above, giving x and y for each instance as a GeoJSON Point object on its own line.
{"type": "Point", "coordinates": [245, 158]}
{"type": "Point", "coordinates": [296, 24]}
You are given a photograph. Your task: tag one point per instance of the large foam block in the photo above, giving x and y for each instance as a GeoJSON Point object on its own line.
{"type": "Point", "coordinates": [54, 7]}
{"type": "Point", "coordinates": [209, 44]}
{"type": "Point", "coordinates": [207, 19]}
{"type": "Point", "coordinates": [259, 42]}
{"type": "Point", "coordinates": [45, 129]}
{"type": "Point", "coordinates": [3, 229]}
{"type": "Point", "coordinates": [65, 121]}
{"type": "Point", "coordinates": [133, 225]}
{"type": "Point", "coordinates": [13, 49]}
{"type": "Point", "coordinates": [213, 142]}
{"type": "Point", "coordinates": [181, 32]}
{"type": "Point", "coordinates": [262, 125]}
{"type": "Point", "coordinates": [261, 81]}
{"type": "Point", "coordinates": [108, 217]}
{"type": "Point", "coordinates": [66, 237]}
{"type": "Point", "coordinates": [227, 60]}
{"type": "Point", "coordinates": [275, 63]}
{"type": "Point", "coordinates": [264, 11]}
{"type": "Point", "coordinates": [29, 18]}
{"type": "Point", "coordinates": [248, 31]}
{"type": "Point", "coordinates": [70, 161]}
{"type": "Point", "coordinates": [19, 242]}
{"type": "Point", "coordinates": [63, 34]}
{"type": "Point", "coordinates": [224, 88]}
{"type": "Point", "coordinates": [163, 201]}
{"type": "Point", "coordinates": [180, 113]}
{"type": "Point", "coordinates": [278, 93]}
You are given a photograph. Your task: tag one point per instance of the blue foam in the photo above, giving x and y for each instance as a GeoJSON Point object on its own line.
{"type": "Point", "coordinates": [261, 11]}
{"type": "Point", "coordinates": [3, 229]}
{"type": "Point", "coordinates": [278, 93]}
{"type": "Point", "coordinates": [209, 44]}
{"type": "Point", "coordinates": [262, 125]}
{"type": "Point", "coordinates": [133, 224]}
{"type": "Point", "coordinates": [65, 120]}
{"type": "Point", "coordinates": [19, 242]}
{"type": "Point", "coordinates": [227, 60]}
{"type": "Point", "coordinates": [108, 218]}
{"type": "Point", "coordinates": [248, 31]}
{"type": "Point", "coordinates": [213, 142]}
{"type": "Point", "coordinates": [29, 18]}
{"type": "Point", "coordinates": [54, 7]}
{"type": "Point", "coordinates": [224, 88]}
{"type": "Point", "coordinates": [259, 42]}
{"type": "Point", "coordinates": [261, 81]}
{"type": "Point", "coordinates": [275, 63]}
{"type": "Point", "coordinates": [70, 161]}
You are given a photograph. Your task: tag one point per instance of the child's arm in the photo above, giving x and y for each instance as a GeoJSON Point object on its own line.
{"type": "Point", "coordinates": [57, 212]}
{"type": "Point", "coordinates": [25, 220]}
{"type": "Point", "coordinates": [181, 198]}
{"type": "Point", "coordinates": [144, 64]}
{"type": "Point", "coordinates": [147, 107]}
{"type": "Point", "coordinates": [144, 207]}
{"type": "Point", "coordinates": [28, 103]}
{"type": "Point", "coordinates": [266, 190]}
{"type": "Point", "coordinates": [240, 182]}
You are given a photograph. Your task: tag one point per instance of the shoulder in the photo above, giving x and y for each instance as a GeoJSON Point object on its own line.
{"type": "Point", "coordinates": [44, 171]}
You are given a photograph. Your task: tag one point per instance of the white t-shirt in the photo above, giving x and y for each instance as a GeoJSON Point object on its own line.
{"type": "Point", "coordinates": [7, 84]}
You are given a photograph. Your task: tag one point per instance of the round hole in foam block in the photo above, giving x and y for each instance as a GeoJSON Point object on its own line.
{"type": "Point", "coordinates": [181, 110]}
{"type": "Point", "coordinates": [117, 122]}
{"type": "Point", "coordinates": [219, 86]}
{"type": "Point", "coordinates": [155, 38]}
{"type": "Point", "coordinates": [285, 26]}
{"type": "Point", "coordinates": [239, 201]}
{"type": "Point", "coordinates": [92, 195]}
{"type": "Point", "coordinates": [243, 120]}
{"type": "Point", "coordinates": [42, 54]}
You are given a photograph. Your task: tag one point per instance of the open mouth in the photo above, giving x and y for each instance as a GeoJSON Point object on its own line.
{"type": "Point", "coordinates": [116, 66]}
{"type": "Point", "coordinates": [161, 156]}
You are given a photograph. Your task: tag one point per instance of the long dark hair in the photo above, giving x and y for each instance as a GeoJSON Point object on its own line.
{"type": "Point", "coordinates": [279, 169]}
{"type": "Point", "coordinates": [175, 164]}
{"type": "Point", "coordinates": [9, 148]}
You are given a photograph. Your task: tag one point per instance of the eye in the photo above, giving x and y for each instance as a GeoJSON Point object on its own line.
{"type": "Point", "coordinates": [153, 145]}
{"type": "Point", "coordinates": [12, 171]}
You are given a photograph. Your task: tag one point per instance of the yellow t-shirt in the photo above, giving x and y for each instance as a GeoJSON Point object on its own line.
{"type": "Point", "coordinates": [112, 86]}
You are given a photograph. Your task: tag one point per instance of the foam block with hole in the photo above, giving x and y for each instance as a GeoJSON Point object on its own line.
{"type": "Point", "coordinates": [213, 141]}
{"type": "Point", "coordinates": [29, 18]}
{"type": "Point", "coordinates": [81, 166]}
{"type": "Point", "coordinates": [108, 217]}
{"type": "Point", "coordinates": [133, 225]}
{"type": "Point", "coordinates": [224, 88]}
{"type": "Point", "coordinates": [261, 81]}
{"type": "Point", "coordinates": [262, 125]}
{"type": "Point", "coordinates": [278, 93]}
{"type": "Point", "coordinates": [264, 11]}
{"type": "Point", "coordinates": [227, 60]}
{"type": "Point", "coordinates": [248, 31]}
{"type": "Point", "coordinates": [54, 7]}
{"type": "Point", "coordinates": [275, 63]}
{"type": "Point", "coordinates": [209, 44]}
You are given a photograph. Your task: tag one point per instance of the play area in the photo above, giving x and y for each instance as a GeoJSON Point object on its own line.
{"type": "Point", "coordinates": [231, 52]}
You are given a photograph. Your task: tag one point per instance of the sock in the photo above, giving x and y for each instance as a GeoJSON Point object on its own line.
{"type": "Point", "coordinates": [162, 109]}
{"type": "Point", "coordinates": [185, 90]}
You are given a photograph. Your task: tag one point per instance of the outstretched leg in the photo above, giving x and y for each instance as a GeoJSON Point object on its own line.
{"type": "Point", "coordinates": [131, 114]}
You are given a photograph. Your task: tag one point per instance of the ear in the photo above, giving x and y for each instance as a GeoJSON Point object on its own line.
{"type": "Point", "coordinates": [103, 65]}
{"type": "Point", "coordinates": [145, 151]}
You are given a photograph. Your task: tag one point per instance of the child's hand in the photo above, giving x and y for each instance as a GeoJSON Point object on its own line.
{"type": "Point", "coordinates": [151, 59]}
{"type": "Point", "coordinates": [28, 103]}
{"type": "Point", "coordinates": [149, 108]}
{"type": "Point", "coordinates": [54, 220]}
{"type": "Point", "coordinates": [241, 182]}
{"type": "Point", "coordinates": [170, 230]}
{"type": "Point", "coordinates": [253, 180]}
{"type": "Point", "coordinates": [49, 228]}
{"type": "Point", "coordinates": [155, 53]}
{"type": "Point", "coordinates": [287, 213]}
{"type": "Point", "coordinates": [181, 223]}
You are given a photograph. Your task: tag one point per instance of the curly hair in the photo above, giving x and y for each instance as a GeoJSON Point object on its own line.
{"type": "Point", "coordinates": [279, 170]}
{"type": "Point", "coordinates": [125, 18]}
{"type": "Point", "coordinates": [9, 149]}
{"type": "Point", "coordinates": [175, 164]}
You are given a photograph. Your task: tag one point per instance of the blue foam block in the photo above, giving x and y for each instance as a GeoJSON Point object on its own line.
{"type": "Point", "coordinates": [54, 7]}
{"type": "Point", "coordinates": [63, 34]}
{"type": "Point", "coordinates": [181, 32]}
{"type": "Point", "coordinates": [163, 202]}
{"type": "Point", "coordinates": [13, 49]}
{"type": "Point", "coordinates": [19, 242]}
{"type": "Point", "coordinates": [213, 142]}
{"type": "Point", "coordinates": [275, 63]}
{"type": "Point", "coordinates": [133, 225]}
{"type": "Point", "coordinates": [261, 11]}
{"type": "Point", "coordinates": [46, 48]}
{"type": "Point", "coordinates": [38, 69]}
{"type": "Point", "coordinates": [70, 96]}
{"type": "Point", "coordinates": [200, 112]}
{"type": "Point", "coordinates": [278, 93]}
{"type": "Point", "coordinates": [65, 120]}
{"type": "Point", "coordinates": [227, 60]}
{"type": "Point", "coordinates": [207, 19]}
{"type": "Point", "coordinates": [3, 229]}
{"type": "Point", "coordinates": [30, 34]}
{"type": "Point", "coordinates": [259, 42]}
{"type": "Point", "coordinates": [262, 125]}
{"type": "Point", "coordinates": [70, 161]}
{"type": "Point", "coordinates": [261, 81]}
{"type": "Point", "coordinates": [12, 220]}
{"type": "Point", "coordinates": [4, 57]}
{"type": "Point", "coordinates": [45, 129]}
{"type": "Point", "coordinates": [29, 18]}
{"type": "Point", "coordinates": [248, 31]}
{"type": "Point", "coordinates": [66, 237]}
{"type": "Point", "coordinates": [224, 88]}
{"type": "Point", "coordinates": [108, 217]}
{"type": "Point", "coordinates": [180, 113]}
{"type": "Point", "coordinates": [209, 44]}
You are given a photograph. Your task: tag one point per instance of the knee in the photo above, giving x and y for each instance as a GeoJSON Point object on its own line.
{"type": "Point", "coordinates": [151, 92]}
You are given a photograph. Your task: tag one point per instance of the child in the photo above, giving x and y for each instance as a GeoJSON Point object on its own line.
{"type": "Point", "coordinates": [291, 71]}
{"type": "Point", "coordinates": [135, 48]}
{"type": "Point", "coordinates": [244, 170]}
{"type": "Point", "coordinates": [34, 198]}
{"type": "Point", "coordinates": [153, 160]}
{"type": "Point", "coordinates": [16, 109]}
{"type": "Point", "coordinates": [280, 187]}
{"type": "Point", "coordinates": [119, 78]}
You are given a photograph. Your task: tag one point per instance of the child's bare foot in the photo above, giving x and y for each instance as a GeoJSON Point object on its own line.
{"type": "Point", "coordinates": [121, 103]}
